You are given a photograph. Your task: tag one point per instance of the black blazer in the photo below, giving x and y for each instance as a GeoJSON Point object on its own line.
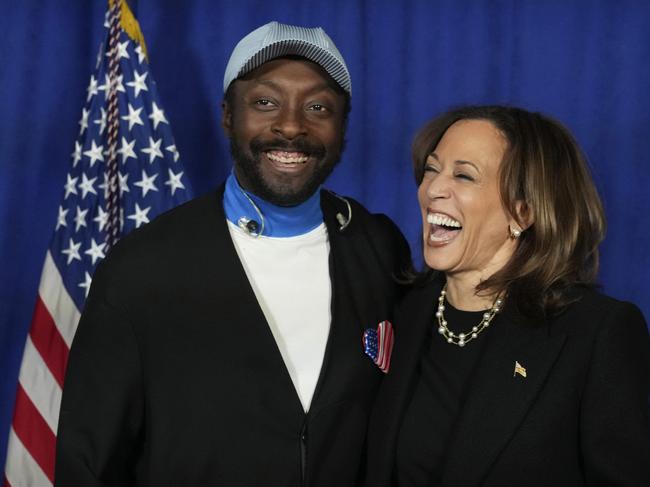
{"type": "Point", "coordinates": [175, 379]}
{"type": "Point", "coordinates": [580, 417]}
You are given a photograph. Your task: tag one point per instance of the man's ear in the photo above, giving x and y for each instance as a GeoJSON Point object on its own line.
{"type": "Point", "coordinates": [226, 118]}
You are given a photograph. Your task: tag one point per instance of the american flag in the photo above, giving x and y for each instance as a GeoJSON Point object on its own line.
{"type": "Point", "coordinates": [125, 170]}
{"type": "Point", "coordinates": [378, 344]}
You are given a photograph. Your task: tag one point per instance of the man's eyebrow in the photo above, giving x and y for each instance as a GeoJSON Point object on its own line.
{"type": "Point", "coordinates": [324, 86]}
{"type": "Point", "coordinates": [267, 82]}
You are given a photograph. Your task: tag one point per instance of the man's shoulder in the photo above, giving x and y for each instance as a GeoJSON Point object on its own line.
{"type": "Point", "coordinates": [351, 224]}
{"type": "Point", "coordinates": [183, 217]}
{"type": "Point", "coordinates": [348, 209]}
{"type": "Point", "coordinates": [171, 231]}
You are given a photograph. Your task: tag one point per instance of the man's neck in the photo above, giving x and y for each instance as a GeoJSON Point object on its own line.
{"type": "Point", "coordinates": [278, 221]}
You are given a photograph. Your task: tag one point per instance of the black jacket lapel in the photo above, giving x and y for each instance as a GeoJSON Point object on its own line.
{"type": "Point", "coordinates": [413, 318]}
{"type": "Point", "coordinates": [498, 398]}
{"type": "Point", "coordinates": [349, 292]}
{"type": "Point", "coordinates": [363, 294]}
{"type": "Point", "coordinates": [248, 326]}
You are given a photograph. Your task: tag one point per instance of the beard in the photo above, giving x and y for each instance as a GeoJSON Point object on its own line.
{"type": "Point", "coordinates": [281, 190]}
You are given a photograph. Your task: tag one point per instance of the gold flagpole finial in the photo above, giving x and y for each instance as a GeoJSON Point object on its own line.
{"type": "Point", "coordinates": [129, 24]}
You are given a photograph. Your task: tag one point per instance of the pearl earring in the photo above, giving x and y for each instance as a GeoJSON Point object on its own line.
{"type": "Point", "coordinates": [514, 232]}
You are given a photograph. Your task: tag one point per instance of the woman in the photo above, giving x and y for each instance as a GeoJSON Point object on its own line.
{"type": "Point", "coordinates": [508, 367]}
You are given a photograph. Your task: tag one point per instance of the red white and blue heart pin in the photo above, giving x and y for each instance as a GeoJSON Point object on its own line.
{"type": "Point", "coordinates": [378, 344]}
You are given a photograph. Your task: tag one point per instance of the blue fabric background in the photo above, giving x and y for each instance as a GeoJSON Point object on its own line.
{"type": "Point", "coordinates": [585, 62]}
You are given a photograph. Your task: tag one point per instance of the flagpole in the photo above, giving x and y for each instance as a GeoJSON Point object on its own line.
{"type": "Point", "coordinates": [113, 120]}
{"type": "Point", "coordinates": [135, 158]}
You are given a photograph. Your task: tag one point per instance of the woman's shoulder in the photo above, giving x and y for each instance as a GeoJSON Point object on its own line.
{"type": "Point", "coordinates": [593, 311]}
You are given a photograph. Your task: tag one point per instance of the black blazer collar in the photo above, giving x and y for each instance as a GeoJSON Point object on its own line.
{"type": "Point", "coordinates": [497, 399]}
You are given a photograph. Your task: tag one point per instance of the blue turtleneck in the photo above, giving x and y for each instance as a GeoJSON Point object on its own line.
{"type": "Point", "coordinates": [279, 221]}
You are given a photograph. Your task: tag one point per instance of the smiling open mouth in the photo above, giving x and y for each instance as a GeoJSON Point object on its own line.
{"type": "Point", "coordinates": [443, 228]}
{"type": "Point", "coordinates": [287, 158]}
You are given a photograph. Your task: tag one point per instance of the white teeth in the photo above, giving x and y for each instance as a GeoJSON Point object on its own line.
{"type": "Point", "coordinates": [440, 219]}
{"type": "Point", "coordinates": [446, 238]}
{"type": "Point", "coordinates": [288, 157]}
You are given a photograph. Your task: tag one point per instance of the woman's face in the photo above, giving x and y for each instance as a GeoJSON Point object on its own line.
{"type": "Point", "coordinates": [465, 226]}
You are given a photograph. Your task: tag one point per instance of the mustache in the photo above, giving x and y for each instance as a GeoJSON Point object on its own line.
{"type": "Point", "coordinates": [297, 145]}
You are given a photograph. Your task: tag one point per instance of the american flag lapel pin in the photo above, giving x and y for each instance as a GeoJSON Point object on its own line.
{"type": "Point", "coordinates": [378, 344]}
{"type": "Point", "coordinates": [519, 369]}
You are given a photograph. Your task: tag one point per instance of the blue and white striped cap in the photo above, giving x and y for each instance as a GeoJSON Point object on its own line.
{"type": "Point", "coordinates": [275, 40]}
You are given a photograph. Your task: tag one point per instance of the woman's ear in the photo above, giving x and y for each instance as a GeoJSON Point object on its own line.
{"type": "Point", "coordinates": [524, 217]}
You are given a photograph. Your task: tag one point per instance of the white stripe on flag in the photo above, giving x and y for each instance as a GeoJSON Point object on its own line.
{"type": "Point", "coordinates": [57, 300]}
{"type": "Point", "coordinates": [382, 344]}
{"type": "Point", "coordinates": [39, 384]}
{"type": "Point", "coordinates": [21, 469]}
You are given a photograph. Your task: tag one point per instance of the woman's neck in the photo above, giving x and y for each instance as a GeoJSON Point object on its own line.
{"type": "Point", "coordinates": [461, 293]}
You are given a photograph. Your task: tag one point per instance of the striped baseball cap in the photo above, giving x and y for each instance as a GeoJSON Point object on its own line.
{"type": "Point", "coordinates": [275, 40]}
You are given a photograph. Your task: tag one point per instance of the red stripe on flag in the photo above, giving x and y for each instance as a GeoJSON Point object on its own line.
{"type": "Point", "coordinates": [389, 348]}
{"type": "Point", "coordinates": [6, 483]}
{"type": "Point", "coordinates": [48, 341]}
{"type": "Point", "coordinates": [35, 434]}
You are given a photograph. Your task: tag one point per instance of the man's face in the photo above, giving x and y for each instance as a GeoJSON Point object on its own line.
{"type": "Point", "coordinates": [285, 122]}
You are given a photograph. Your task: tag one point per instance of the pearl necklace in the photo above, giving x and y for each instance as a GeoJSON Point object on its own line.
{"type": "Point", "coordinates": [463, 338]}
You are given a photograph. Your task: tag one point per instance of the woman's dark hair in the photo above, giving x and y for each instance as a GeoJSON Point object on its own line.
{"type": "Point", "coordinates": [544, 169]}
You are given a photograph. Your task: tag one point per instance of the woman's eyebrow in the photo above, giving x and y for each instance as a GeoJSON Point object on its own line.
{"type": "Point", "coordinates": [461, 162]}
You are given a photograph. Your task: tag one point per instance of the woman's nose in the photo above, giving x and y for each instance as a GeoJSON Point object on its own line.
{"type": "Point", "coordinates": [437, 187]}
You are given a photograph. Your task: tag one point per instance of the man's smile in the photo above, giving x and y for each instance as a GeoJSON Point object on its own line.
{"type": "Point", "coordinates": [286, 157]}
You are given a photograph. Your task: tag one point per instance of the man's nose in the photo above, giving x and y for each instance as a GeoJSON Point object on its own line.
{"type": "Point", "coordinates": [290, 123]}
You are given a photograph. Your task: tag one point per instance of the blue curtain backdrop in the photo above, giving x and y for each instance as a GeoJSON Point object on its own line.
{"type": "Point", "coordinates": [585, 62]}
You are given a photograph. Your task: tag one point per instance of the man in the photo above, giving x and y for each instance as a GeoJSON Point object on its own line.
{"type": "Point", "coordinates": [221, 344]}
